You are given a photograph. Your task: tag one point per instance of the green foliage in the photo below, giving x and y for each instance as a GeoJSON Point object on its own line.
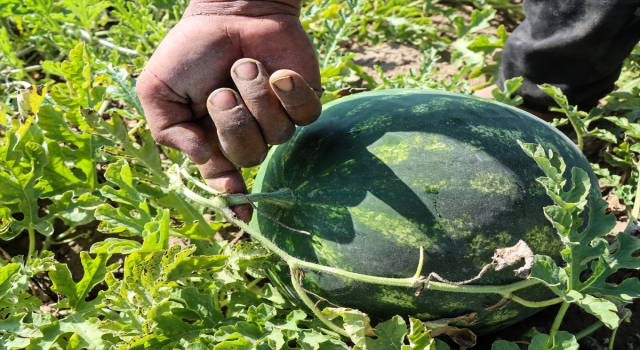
{"type": "Point", "coordinates": [586, 251]}
{"type": "Point", "coordinates": [580, 120]}
{"type": "Point", "coordinates": [76, 152]}
{"type": "Point", "coordinates": [334, 24]}
{"type": "Point", "coordinates": [506, 96]}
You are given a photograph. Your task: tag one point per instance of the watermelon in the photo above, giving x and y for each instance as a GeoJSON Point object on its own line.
{"type": "Point", "coordinates": [381, 174]}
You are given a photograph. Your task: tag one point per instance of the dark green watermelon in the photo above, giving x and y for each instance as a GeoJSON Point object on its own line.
{"type": "Point", "coordinates": [382, 173]}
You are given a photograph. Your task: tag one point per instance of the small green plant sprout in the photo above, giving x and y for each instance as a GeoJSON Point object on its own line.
{"type": "Point", "coordinates": [579, 120]}
{"type": "Point", "coordinates": [588, 259]}
{"type": "Point", "coordinates": [506, 95]}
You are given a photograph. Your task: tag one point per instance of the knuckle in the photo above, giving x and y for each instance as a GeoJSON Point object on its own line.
{"type": "Point", "coordinates": [234, 125]}
{"type": "Point", "coordinates": [160, 136]}
{"type": "Point", "coordinates": [280, 136]}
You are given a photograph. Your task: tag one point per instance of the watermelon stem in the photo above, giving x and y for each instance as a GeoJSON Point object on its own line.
{"type": "Point", "coordinates": [417, 275]}
{"type": "Point", "coordinates": [295, 263]}
{"type": "Point", "coordinates": [636, 203]}
{"type": "Point", "coordinates": [535, 304]}
{"type": "Point", "coordinates": [585, 332]}
{"type": "Point", "coordinates": [556, 323]}
{"type": "Point", "coordinates": [295, 275]}
{"type": "Point", "coordinates": [283, 197]}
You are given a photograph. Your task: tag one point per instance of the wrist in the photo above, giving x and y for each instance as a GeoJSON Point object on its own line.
{"type": "Point", "coordinates": [250, 8]}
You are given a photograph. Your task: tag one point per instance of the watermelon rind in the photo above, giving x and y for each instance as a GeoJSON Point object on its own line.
{"type": "Point", "coordinates": [382, 173]}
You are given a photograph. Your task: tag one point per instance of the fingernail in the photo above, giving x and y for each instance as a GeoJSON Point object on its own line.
{"type": "Point", "coordinates": [246, 71]}
{"type": "Point", "coordinates": [284, 83]}
{"type": "Point", "coordinates": [223, 100]}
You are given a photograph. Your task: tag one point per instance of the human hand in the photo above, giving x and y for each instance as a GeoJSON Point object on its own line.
{"type": "Point", "coordinates": [229, 79]}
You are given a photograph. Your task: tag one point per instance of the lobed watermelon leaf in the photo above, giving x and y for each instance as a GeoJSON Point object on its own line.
{"type": "Point", "coordinates": [125, 88]}
{"type": "Point", "coordinates": [585, 247]}
{"type": "Point", "coordinates": [76, 292]}
{"type": "Point", "coordinates": [390, 335]}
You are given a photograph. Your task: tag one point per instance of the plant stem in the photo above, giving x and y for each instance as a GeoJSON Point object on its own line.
{"type": "Point", "coordinates": [85, 35]}
{"type": "Point", "coordinates": [69, 240]}
{"type": "Point", "coordinates": [574, 119]}
{"type": "Point", "coordinates": [295, 263]}
{"type": "Point", "coordinates": [536, 304]}
{"type": "Point", "coordinates": [420, 264]}
{"type": "Point", "coordinates": [305, 298]}
{"type": "Point", "coordinates": [613, 338]}
{"type": "Point", "coordinates": [24, 70]}
{"type": "Point", "coordinates": [135, 128]}
{"type": "Point", "coordinates": [556, 323]}
{"type": "Point", "coordinates": [636, 203]}
{"type": "Point", "coordinates": [284, 197]}
{"type": "Point", "coordinates": [585, 332]}
{"type": "Point", "coordinates": [32, 243]}
{"type": "Point", "coordinates": [103, 107]}
{"type": "Point", "coordinates": [253, 283]}
{"type": "Point", "coordinates": [221, 205]}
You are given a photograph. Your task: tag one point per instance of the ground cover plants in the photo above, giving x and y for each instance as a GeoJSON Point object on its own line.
{"type": "Point", "coordinates": [79, 170]}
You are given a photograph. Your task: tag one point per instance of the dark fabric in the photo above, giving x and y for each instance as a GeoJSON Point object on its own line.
{"type": "Point", "coordinates": [577, 45]}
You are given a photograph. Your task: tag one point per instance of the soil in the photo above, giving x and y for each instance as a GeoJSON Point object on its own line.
{"type": "Point", "coordinates": [395, 58]}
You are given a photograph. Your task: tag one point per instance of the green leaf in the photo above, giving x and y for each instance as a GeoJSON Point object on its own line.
{"type": "Point", "coordinates": [72, 165]}
{"type": "Point", "coordinates": [94, 273]}
{"type": "Point", "coordinates": [134, 211]}
{"type": "Point", "coordinates": [419, 336]}
{"type": "Point", "coordinates": [77, 72]}
{"type": "Point", "coordinates": [187, 266]}
{"type": "Point", "coordinates": [603, 309]}
{"type": "Point", "coordinates": [126, 88]}
{"type": "Point", "coordinates": [145, 154]}
{"type": "Point", "coordinates": [20, 183]}
{"type": "Point", "coordinates": [112, 246]}
{"type": "Point", "coordinates": [390, 335]}
{"type": "Point", "coordinates": [5, 275]}
{"type": "Point", "coordinates": [561, 341]}
{"type": "Point", "coordinates": [546, 270]}
{"type": "Point", "coordinates": [504, 345]}
{"type": "Point", "coordinates": [29, 102]}
{"type": "Point", "coordinates": [479, 20]}
{"type": "Point", "coordinates": [145, 162]}
{"type": "Point", "coordinates": [355, 323]}
{"type": "Point", "coordinates": [72, 210]}
{"type": "Point", "coordinates": [156, 233]}
{"type": "Point", "coordinates": [510, 88]}
{"type": "Point", "coordinates": [580, 120]}
{"type": "Point", "coordinates": [203, 305]}
{"type": "Point", "coordinates": [82, 333]}
{"type": "Point", "coordinates": [609, 264]}
{"type": "Point", "coordinates": [318, 341]}
{"type": "Point", "coordinates": [586, 249]}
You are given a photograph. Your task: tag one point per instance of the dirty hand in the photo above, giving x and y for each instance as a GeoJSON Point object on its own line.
{"type": "Point", "coordinates": [229, 79]}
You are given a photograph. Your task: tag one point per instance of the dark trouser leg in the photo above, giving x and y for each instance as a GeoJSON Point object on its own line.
{"type": "Point", "coordinates": [577, 45]}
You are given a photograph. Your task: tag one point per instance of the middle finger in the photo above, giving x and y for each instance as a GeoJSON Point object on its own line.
{"type": "Point", "coordinates": [252, 81]}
